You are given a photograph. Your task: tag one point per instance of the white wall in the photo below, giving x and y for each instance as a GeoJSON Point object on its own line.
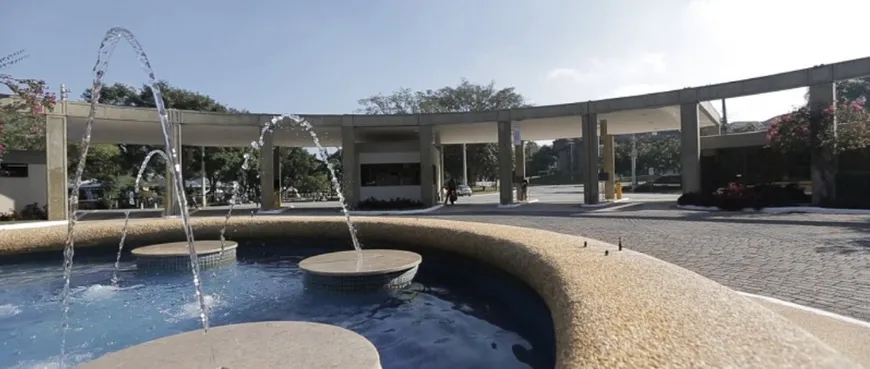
{"type": "Point", "coordinates": [389, 153]}
{"type": "Point", "coordinates": [389, 157]}
{"type": "Point", "coordinates": [16, 193]}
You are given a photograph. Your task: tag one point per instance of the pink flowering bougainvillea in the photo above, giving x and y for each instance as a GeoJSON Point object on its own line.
{"type": "Point", "coordinates": [33, 99]}
{"type": "Point", "coordinates": [791, 132]}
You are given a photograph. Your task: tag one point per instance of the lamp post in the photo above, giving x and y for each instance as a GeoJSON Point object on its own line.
{"type": "Point", "coordinates": [64, 92]}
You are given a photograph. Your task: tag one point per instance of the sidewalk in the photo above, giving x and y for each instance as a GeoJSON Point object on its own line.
{"type": "Point", "coordinates": [850, 339]}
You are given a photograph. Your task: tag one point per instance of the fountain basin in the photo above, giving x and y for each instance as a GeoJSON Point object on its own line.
{"type": "Point", "coordinates": [622, 310]}
{"type": "Point", "coordinates": [366, 271]}
{"type": "Point", "coordinates": [266, 345]}
{"type": "Point", "coordinates": [174, 256]}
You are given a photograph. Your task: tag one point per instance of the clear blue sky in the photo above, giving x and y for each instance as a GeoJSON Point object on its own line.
{"type": "Point", "coordinates": [273, 56]}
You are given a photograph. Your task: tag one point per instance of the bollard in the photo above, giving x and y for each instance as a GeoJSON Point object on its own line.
{"type": "Point", "coordinates": [618, 191]}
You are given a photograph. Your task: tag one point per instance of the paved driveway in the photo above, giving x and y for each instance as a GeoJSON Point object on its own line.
{"type": "Point", "coordinates": [816, 260]}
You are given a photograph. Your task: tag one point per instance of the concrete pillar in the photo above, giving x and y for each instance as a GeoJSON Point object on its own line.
{"type": "Point", "coordinates": [690, 148]}
{"type": "Point", "coordinates": [590, 159]}
{"type": "Point", "coordinates": [276, 186]}
{"type": "Point", "coordinates": [823, 160]}
{"type": "Point", "coordinates": [505, 163]}
{"type": "Point", "coordinates": [204, 200]}
{"type": "Point", "coordinates": [57, 188]}
{"type": "Point", "coordinates": [427, 169]}
{"type": "Point", "coordinates": [267, 173]}
{"type": "Point", "coordinates": [171, 207]}
{"type": "Point", "coordinates": [609, 163]}
{"type": "Point", "coordinates": [578, 160]}
{"type": "Point", "coordinates": [350, 176]}
{"type": "Point", "coordinates": [464, 165]}
{"type": "Point", "coordinates": [519, 169]}
{"type": "Point", "coordinates": [441, 173]}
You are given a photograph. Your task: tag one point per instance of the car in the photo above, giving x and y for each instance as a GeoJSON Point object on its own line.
{"type": "Point", "coordinates": [463, 190]}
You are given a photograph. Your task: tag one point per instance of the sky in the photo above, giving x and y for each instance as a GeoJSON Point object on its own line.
{"type": "Point", "coordinates": [287, 56]}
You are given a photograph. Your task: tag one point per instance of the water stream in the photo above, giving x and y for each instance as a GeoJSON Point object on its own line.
{"type": "Point", "coordinates": [127, 213]}
{"type": "Point", "coordinates": [107, 47]}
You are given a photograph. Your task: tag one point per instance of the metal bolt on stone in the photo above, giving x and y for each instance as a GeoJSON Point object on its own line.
{"type": "Point", "coordinates": [585, 243]}
{"type": "Point", "coordinates": [606, 252]}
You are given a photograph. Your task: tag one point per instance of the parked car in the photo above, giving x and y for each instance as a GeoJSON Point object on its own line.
{"type": "Point", "coordinates": [463, 190]}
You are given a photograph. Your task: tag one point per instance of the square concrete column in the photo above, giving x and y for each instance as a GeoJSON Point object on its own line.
{"type": "Point", "coordinates": [427, 166]}
{"type": "Point", "coordinates": [590, 159]}
{"type": "Point", "coordinates": [171, 207]}
{"type": "Point", "coordinates": [57, 188]}
{"type": "Point", "coordinates": [609, 163]}
{"type": "Point", "coordinates": [276, 187]}
{"type": "Point", "coordinates": [823, 160]}
{"type": "Point", "coordinates": [350, 177]}
{"type": "Point", "coordinates": [519, 169]}
{"type": "Point", "coordinates": [464, 164]}
{"type": "Point", "coordinates": [202, 179]}
{"type": "Point", "coordinates": [690, 148]}
{"type": "Point", "coordinates": [267, 173]}
{"type": "Point", "coordinates": [439, 174]}
{"type": "Point", "coordinates": [505, 163]}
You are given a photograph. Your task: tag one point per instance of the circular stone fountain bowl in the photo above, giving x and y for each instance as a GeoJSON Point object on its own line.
{"type": "Point", "coordinates": [621, 310]}
{"type": "Point", "coordinates": [366, 271]}
{"type": "Point", "coordinates": [174, 256]}
{"type": "Point", "coordinates": [266, 345]}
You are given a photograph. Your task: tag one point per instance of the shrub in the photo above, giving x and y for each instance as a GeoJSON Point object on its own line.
{"type": "Point", "coordinates": [392, 204]}
{"type": "Point", "coordinates": [736, 197]}
{"type": "Point", "coordinates": [30, 212]}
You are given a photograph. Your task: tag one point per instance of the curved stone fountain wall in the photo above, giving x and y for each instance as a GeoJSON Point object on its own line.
{"type": "Point", "coordinates": [617, 310]}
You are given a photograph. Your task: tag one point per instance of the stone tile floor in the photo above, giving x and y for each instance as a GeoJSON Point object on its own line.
{"type": "Point", "coordinates": [817, 260]}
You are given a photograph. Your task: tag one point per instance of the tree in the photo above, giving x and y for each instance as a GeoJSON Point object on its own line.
{"type": "Point", "coordinates": [662, 154]}
{"type": "Point", "coordinates": [464, 97]}
{"type": "Point", "coordinates": [22, 119]}
{"type": "Point", "coordinates": [825, 132]}
{"type": "Point", "coordinates": [852, 90]}
{"type": "Point", "coordinates": [302, 170]}
{"type": "Point", "coordinates": [335, 160]}
{"type": "Point", "coordinates": [222, 164]}
{"type": "Point", "coordinates": [541, 160]}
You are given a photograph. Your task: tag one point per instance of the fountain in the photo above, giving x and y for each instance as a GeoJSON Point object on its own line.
{"type": "Point", "coordinates": [162, 256]}
{"type": "Point", "coordinates": [488, 296]}
{"type": "Point", "coordinates": [364, 270]}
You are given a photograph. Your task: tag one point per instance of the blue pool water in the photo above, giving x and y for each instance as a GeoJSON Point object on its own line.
{"type": "Point", "coordinates": [442, 321]}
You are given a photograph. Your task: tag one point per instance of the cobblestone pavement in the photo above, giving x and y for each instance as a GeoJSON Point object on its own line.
{"type": "Point", "coordinates": [817, 260]}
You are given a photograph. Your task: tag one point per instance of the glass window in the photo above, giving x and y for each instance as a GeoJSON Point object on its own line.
{"type": "Point", "coordinates": [13, 170]}
{"type": "Point", "coordinates": [399, 174]}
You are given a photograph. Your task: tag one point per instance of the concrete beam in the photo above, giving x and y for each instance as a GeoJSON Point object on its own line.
{"type": "Point", "coordinates": [752, 86]}
{"type": "Point", "coordinates": [751, 139]}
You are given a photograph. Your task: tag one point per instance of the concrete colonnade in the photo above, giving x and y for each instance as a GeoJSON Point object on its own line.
{"type": "Point", "coordinates": [511, 157]}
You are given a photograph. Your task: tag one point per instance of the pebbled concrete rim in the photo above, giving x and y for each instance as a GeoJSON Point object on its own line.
{"type": "Point", "coordinates": [622, 310]}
